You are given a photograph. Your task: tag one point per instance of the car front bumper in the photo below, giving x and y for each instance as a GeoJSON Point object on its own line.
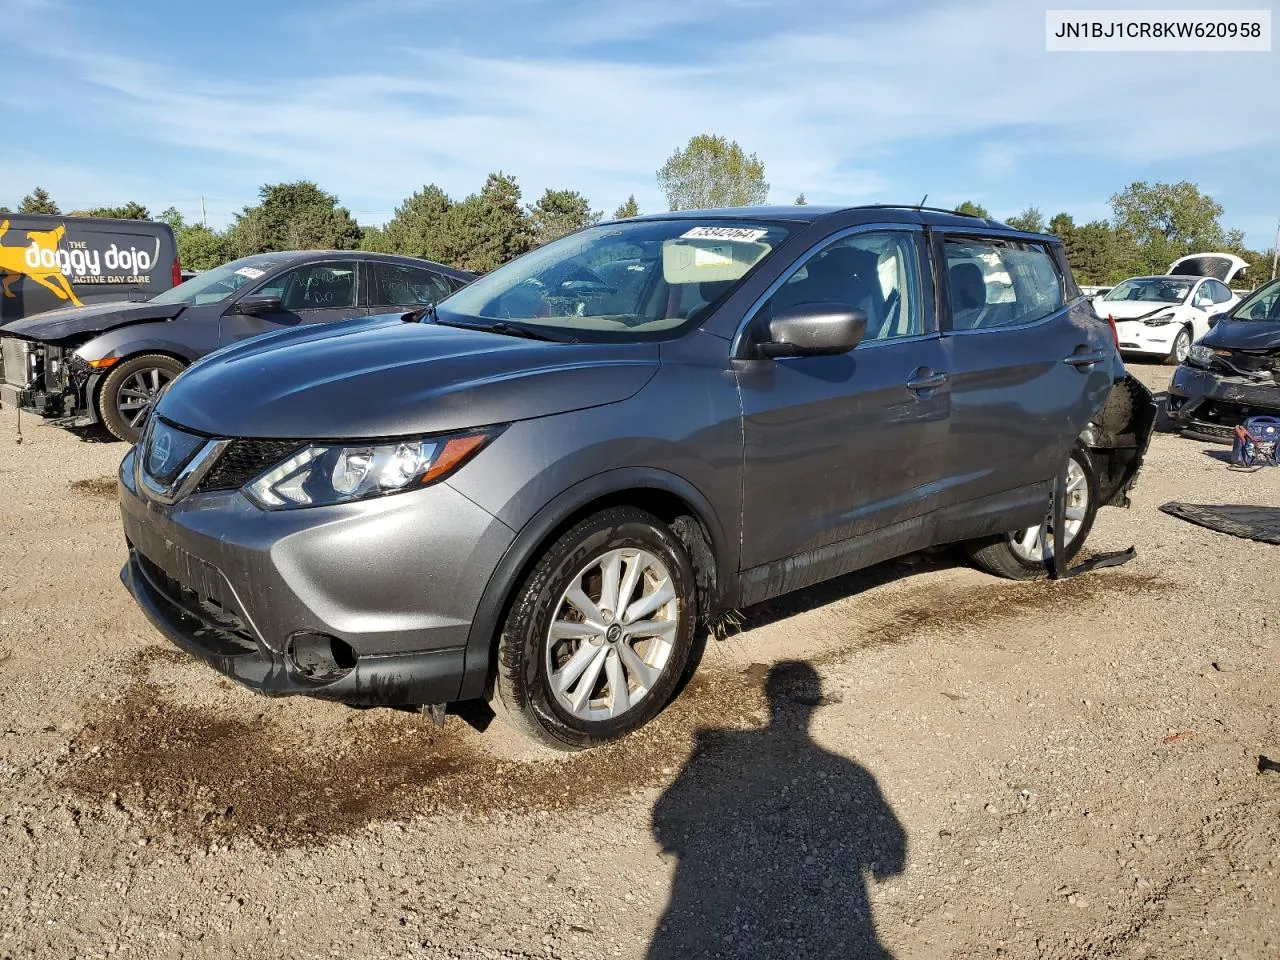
{"type": "Point", "coordinates": [390, 585]}
{"type": "Point", "coordinates": [1136, 337]}
{"type": "Point", "coordinates": [1209, 405]}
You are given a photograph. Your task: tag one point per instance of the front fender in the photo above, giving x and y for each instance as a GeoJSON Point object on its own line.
{"type": "Point", "coordinates": [134, 339]}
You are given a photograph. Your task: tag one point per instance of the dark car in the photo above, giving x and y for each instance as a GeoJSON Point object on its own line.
{"type": "Point", "coordinates": [107, 362]}
{"type": "Point", "coordinates": [540, 489]}
{"type": "Point", "coordinates": [1233, 372]}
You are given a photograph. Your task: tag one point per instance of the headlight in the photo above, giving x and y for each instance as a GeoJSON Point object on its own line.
{"type": "Point", "coordinates": [324, 474]}
{"type": "Point", "coordinates": [1160, 319]}
{"type": "Point", "coordinates": [1200, 356]}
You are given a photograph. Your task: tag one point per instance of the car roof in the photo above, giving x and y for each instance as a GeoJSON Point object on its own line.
{"type": "Point", "coordinates": [880, 212]}
{"type": "Point", "coordinates": [293, 256]}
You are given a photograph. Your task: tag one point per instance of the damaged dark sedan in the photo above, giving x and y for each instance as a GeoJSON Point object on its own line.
{"type": "Point", "coordinates": [1233, 372]}
{"type": "Point", "coordinates": [107, 362]}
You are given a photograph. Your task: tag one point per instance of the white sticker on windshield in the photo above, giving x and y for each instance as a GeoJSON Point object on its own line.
{"type": "Point", "coordinates": [742, 234]}
{"type": "Point", "coordinates": [253, 273]}
{"type": "Point", "coordinates": [712, 257]}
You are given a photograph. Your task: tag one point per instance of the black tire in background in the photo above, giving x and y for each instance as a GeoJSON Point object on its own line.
{"type": "Point", "coordinates": [523, 691]}
{"type": "Point", "coordinates": [123, 387]}
{"type": "Point", "coordinates": [996, 555]}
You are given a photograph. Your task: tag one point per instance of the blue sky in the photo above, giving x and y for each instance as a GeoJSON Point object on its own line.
{"type": "Point", "coordinates": [849, 102]}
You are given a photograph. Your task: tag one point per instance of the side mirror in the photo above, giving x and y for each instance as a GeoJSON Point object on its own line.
{"type": "Point", "coordinates": [1214, 319]}
{"type": "Point", "coordinates": [256, 304]}
{"type": "Point", "coordinates": [813, 329]}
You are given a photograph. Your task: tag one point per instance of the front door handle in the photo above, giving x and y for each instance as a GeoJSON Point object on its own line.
{"type": "Point", "coordinates": [1085, 359]}
{"type": "Point", "coordinates": [926, 379]}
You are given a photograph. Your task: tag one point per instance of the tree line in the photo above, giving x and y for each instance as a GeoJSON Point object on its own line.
{"type": "Point", "coordinates": [1151, 224]}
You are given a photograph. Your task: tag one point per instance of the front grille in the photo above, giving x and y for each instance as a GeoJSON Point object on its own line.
{"type": "Point", "coordinates": [243, 461]}
{"type": "Point", "coordinates": [15, 369]}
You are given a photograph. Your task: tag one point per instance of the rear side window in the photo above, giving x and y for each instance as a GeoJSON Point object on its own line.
{"type": "Point", "coordinates": [1001, 283]}
{"type": "Point", "coordinates": [397, 285]}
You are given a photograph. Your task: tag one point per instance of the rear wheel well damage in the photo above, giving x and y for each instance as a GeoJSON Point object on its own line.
{"type": "Point", "coordinates": [683, 519]}
{"type": "Point", "coordinates": [1117, 439]}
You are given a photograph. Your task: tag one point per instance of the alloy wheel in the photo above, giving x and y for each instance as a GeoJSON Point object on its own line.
{"type": "Point", "coordinates": [1034, 544]}
{"type": "Point", "coordinates": [137, 395]}
{"type": "Point", "coordinates": [612, 634]}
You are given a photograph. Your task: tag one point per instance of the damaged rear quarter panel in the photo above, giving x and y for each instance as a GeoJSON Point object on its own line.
{"type": "Point", "coordinates": [1118, 437]}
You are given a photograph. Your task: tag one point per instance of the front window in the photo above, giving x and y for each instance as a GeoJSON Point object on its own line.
{"type": "Point", "coordinates": [621, 281]}
{"type": "Point", "coordinates": [1263, 305]}
{"type": "Point", "coordinates": [1150, 290]}
{"type": "Point", "coordinates": [216, 285]}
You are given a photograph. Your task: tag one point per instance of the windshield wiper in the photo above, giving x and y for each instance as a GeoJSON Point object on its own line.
{"type": "Point", "coordinates": [508, 329]}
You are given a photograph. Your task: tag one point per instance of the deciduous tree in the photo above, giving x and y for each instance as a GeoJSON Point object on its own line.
{"type": "Point", "coordinates": [1030, 219]}
{"type": "Point", "coordinates": [712, 171]}
{"type": "Point", "coordinates": [293, 216]}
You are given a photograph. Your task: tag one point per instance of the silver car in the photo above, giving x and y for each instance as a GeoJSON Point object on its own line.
{"type": "Point", "coordinates": [542, 489]}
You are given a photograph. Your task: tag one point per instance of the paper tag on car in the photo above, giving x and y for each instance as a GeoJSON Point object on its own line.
{"type": "Point", "coordinates": [712, 257]}
{"type": "Point", "coordinates": [741, 234]}
{"type": "Point", "coordinates": [253, 273]}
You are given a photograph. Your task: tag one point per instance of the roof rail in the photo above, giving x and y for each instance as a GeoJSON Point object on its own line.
{"type": "Point", "coordinates": [912, 206]}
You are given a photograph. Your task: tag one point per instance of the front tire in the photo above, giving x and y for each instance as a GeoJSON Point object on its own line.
{"type": "Point", "coordinates": [1181, 348]}
{"type": "Point", "coordinates": [1021, 554]}
{"type": "Point", "coordinates": [600, 632]}
{"type": "Point", "coordinates": [130, 391]}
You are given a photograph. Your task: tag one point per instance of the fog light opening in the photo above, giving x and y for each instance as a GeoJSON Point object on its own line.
{"type": "Point", "coordinates": [318, 656]}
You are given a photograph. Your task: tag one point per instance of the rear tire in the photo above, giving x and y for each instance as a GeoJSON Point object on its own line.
{"type": "Point", "coordinates": [564, 677]}
{"type": "Point", "coordinates": [130, 390]}
{"type": "Point", "coordinates": [1017, 556]}
{"type": "Point", "coordinates": [1180, 349]}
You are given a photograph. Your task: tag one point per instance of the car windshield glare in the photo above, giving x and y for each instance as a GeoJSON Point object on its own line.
{"type": "Point", "coordinates": [620, 281]}
{"type": "Point", "coordinates": [1151, 290]}
{"type": "Point", "coordinates": [216, 285]}
{"type": "Point", "coordinates": [1261, 305]}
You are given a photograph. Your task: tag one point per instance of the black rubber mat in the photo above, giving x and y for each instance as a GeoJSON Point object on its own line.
{"type": "Point", "coordinates": [1239, 520]}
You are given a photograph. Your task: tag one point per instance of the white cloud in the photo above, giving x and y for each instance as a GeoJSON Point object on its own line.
{"type": "Point", "coordinates": [826, 111]}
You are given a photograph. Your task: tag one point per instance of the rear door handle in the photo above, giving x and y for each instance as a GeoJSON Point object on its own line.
{"type": "Point", "coordinates": [926, 380]}
{"type": "Point", "coordinates": [1085, 359]}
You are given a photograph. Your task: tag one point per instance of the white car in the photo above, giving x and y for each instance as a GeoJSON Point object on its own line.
{"type": "Point", "coordinates": [1162, 316]}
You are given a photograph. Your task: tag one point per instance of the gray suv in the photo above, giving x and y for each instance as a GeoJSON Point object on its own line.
{"type": "Point", "coordinates": [542, 489]}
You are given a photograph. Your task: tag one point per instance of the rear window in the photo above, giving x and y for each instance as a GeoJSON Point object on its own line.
{"type": "Point", "coordinates": [1001, 283]}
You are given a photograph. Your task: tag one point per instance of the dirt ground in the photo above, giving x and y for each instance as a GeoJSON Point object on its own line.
{"type": "Point", "coordinates": [919, 760]}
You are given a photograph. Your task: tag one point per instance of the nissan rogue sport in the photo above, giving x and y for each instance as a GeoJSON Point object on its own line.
{"type": "Point", "coordinates": [539, 490]}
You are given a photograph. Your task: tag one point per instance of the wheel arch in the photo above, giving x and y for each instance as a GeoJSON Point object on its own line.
{"type": "Point", "coordinates": [93, 389]}
{"type": "Point", "coordinates": [667, 496]}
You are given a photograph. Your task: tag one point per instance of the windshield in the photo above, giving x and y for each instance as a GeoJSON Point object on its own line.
{"type": "Point", "coordinates": [619, 281]}
{"type": "Point", "coordinates": [1263, 304]}
{"type": "Point", "coordinates": [1151, 290]}
{"type": "Point", "coordinates": [214, 286]}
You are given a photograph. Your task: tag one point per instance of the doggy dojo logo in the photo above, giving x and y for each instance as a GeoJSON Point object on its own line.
{"type": "Point", "coordinates": [56, 262]}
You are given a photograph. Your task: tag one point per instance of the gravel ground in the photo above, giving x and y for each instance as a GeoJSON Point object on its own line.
{"type": "Point", "coordinates": [918, 760]}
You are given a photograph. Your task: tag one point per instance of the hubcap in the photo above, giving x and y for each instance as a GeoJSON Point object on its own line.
{"type": "Point", "coordinates": [1182, 346]}
{"type": "Point", "coordinates": [612, 634]}
{"type": "Point", "coordinates": [138, 394]}
{"type": "Point", "coordinates": [1035, 543]}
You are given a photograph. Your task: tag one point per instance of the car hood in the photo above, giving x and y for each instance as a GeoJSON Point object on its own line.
{"type": "Point", "coordinates": [1131, 309]}
{"type": "Point", "coordinates": [1243, 335]}
{"type": "Point", "coordinates": [382, 377]}
{"type": "Point", "coordinates": [53, 326]}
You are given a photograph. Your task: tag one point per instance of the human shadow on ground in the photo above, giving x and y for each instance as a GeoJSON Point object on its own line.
{"type": "Point", "coordinates": [775, 838]}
